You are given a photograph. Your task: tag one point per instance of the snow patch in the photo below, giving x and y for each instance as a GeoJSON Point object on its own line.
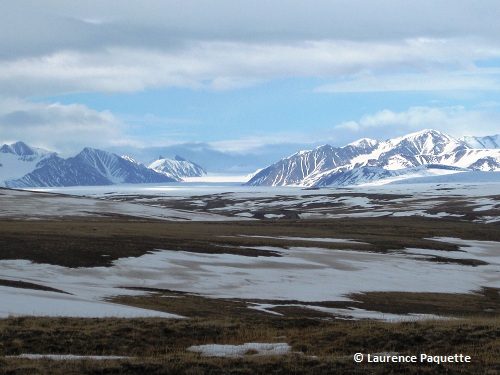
{"type": "Point", "coordinates": [69, 357]}
{"type": "Point", "coordinates": [26, 302]}
{"type": "Point", "coordinates": [234, 351]}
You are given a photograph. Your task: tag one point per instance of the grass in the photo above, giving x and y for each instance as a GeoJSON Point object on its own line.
{"type": "Point", "coordinates": [485, 302]}
{"type": "Point", "coordinates": [96, 242]}
{"type": "Point", "coordinates": [159, 346]}
{"type": "Point", "coordinates": [325, 345]}
{"type": "Point", "coordinates": [322, 345]}
{"type": "Point", "coordinates": [482, 303]}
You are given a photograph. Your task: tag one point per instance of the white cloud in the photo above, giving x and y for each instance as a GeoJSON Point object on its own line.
{"type": "Point", "coordinates": [456, 121]}
{"type": "Point", "coordinates": [62, 128]}
{"type": "Point", "coordinates": [126, 46]}
{"type": "Point", "coordinates": [439, 80]}
{"type": "Point", "coordinates": [227, 65]}
{"type": "Point", "coordinates": [121, 46]}
{"type": "Point", "coordinates": [59, 24]}
{"type": "Point", "coordinates": [453, 120]}
{"type": "Point", "coordinates": [261, 144]}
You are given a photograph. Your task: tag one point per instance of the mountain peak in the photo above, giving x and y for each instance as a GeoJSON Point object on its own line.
{"type": "Point", "coordinates": [367, 159]}
{"type": "Point", "coordinates": [90, 167]}
{"type": "Point", "coordinates": [363, 142]}
{"type": "Point", "coordinates": [18, 159]}
{"type": "Point", "coordinates": [326, 146]}
{"type": "Point", "coordinates": [90, 150]}
{"type": "Point", "coordinates": [426, 142]}
{"type": "Point", "coordinates": [19, 148]}
{"type": "Point", "coordinates": [426, 133]}
{"type": "Point", "coordinates": [6, 149]}
{"type": "Point", "coordinates": [177, 168]}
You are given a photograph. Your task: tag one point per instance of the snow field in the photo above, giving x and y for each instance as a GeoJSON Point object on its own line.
{"type": "Point", "coordinates": [306, 274]}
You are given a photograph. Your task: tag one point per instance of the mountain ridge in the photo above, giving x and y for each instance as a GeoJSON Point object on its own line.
{"type": "Point", "coordinates": [18, 159]}
{"type": "Point", "coordinates": [363, 161]}
{"type": "Point", "coordinates": [325, 165]}
{"type": "Point", "coordinates": [23, 166]}
{"type": "Point", "coordinates": [91, 167]}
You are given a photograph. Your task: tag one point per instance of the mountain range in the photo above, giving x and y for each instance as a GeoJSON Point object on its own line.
{"type": "Point", "coordinates": [425, 153]}
{"type": "Point", "coordinates": [23, 166]}
{"type": "Point", "coordinates": [422, 155]}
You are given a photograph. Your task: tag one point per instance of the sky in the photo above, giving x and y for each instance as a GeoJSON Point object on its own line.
{"type": "Point", "coordinates": [248, 82]}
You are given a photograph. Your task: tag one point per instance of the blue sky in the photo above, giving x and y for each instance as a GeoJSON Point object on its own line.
{"type": "Point", "coordinates": [250, 80]}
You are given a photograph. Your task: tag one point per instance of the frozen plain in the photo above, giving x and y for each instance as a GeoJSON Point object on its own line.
{"type": "Point", "coordinates": [306, 274]}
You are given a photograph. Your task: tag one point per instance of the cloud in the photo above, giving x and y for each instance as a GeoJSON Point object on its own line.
{"type": "Point", "coordinates": [229, 65]}
{"type": "Point", "coordinates": [261, 144]}
{"type": "Point", "coordinates": [63, 128]}
{"type": "Point", "coordinates": [61, 25]}
{"type": "Point", "coordinates": [124, 46]}
{"type": "Point", "coordinates": [56, 47]}
{"type": "Point", "coordinates": [441, 80]}
{"type": "Point", "coordinates": [456, 121]}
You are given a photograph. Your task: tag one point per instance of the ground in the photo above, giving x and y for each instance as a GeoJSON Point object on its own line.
{"type": "Point", "coordinates": [354, 272]}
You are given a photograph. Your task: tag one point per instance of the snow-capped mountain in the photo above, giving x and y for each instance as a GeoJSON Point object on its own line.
{"type": "Point", "coordinates": [18, 159]}
{"type": "Point", "coordinates": [177, 168]}
{"type": "Point", "coordinates": [89, 167]}
{"type": "Point", "coordinates": [490, 142]}
{"type": "Point", "coordinates": [368, 160]}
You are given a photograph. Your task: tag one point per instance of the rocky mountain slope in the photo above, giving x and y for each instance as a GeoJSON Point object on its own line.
{"type": "Point", "coordinates": [18, 159]}
{"type": "Point", "coordinates": [366, 161]}
{"type": "Point", "coordinates": [23, 166]}
{"type": "Point", "coordinates": [89, 168]}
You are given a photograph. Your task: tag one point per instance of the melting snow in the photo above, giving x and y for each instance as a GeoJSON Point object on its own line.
{"type": "Point", "coordinates": [260, 349]}
{"type": "Point", "coordinates": [312, 239]}
{"type": "Point", "coordinates": [66, 357]}
{"type": "Point", "coordinates": [301, 274]}
{"type": "Point", "coordinates": [25, 302]}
